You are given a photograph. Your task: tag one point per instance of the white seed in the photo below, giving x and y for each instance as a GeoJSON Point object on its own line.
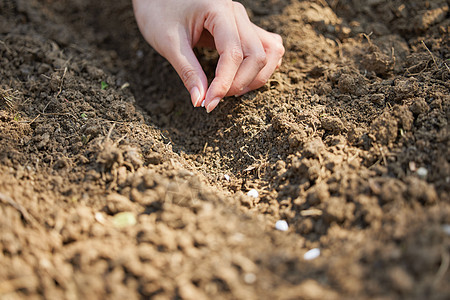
{"type": "Point", "coordinates": [237, 238]}
{"type": "Point", "coordinates": [422, 172]}
{"type": "Point", "coordinates": [203, 103]}
{"type": "Point", "coordinates": [124, 86]}
{"type": "Point", "coordinates": [227, 177]}
{"type": "Point", "coordinates": [249, 278]}
{"type": "Point", "coordinates": [253, 193]}
{"type": "Point", "coordinates": [312, 254]}
{"type": "Point", "coordinates": [99, 218]}
{"type": "Point", "coordinates": [281, 225]}
{"type": "Point", "coordinates": [124, 219]}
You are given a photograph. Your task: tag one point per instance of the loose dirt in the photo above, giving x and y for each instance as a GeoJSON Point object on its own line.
{"type": "Point", "coordinates": [113, 186]}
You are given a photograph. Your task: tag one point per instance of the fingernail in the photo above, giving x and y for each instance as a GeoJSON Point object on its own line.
{"type": "Point", "coordinates": [195, 96]}
{"type": "Point", "coordinates": [212, 104]}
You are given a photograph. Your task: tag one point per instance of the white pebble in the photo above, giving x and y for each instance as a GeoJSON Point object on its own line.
{"type": "Point", "coordinates": [227, 177]}
{"type": "Point", "coordinates": [422, 172]}
{"type": "Point", "coordinates": [253, 193]}
{"type": "Point", "coordinates": [446, 229]}
{"type": "Point", "coordinates": [249, 278]}
{"type": "Point", "coordinates": [312, 254]}
{"type": "Point", "coordinates": [281, 225]}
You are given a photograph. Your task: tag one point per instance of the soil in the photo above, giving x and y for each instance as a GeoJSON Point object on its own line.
{"type": "Point", "coordinates": [113, 186]}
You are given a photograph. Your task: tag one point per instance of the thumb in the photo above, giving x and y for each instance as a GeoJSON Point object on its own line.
{"type": "Point", "coordinates": [183, 59]}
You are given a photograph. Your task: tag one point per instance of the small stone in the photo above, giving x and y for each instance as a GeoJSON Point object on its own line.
{"type": "Point", "coordinates": [227, 177]}
{"type": "Point", "coordinates": [249, 278]}
{"type": "Point", "coordinates": [281, 225]}
{"type": "Point", "coordinates": [446, 229]}
{"type": "Point", "coordinates": [422, 172]}
{"type": "Point", "coordinates": [124, 219]}
{"type": "Point", "coordinates": [312, 254]}
{"type": "Point", "coordinates": [253, 193]}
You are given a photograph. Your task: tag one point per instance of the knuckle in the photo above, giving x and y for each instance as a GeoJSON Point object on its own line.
{"type": "Point", "coordinates": [236, 54]}
{"type": "Point", "coordinates": [261, 59]}
{"type": "Point", "coordinates": [279, 49]}
{"type": "Point", "coordinates": [278, 38]}
{"type": "Point", "coordinates": [187, 74]}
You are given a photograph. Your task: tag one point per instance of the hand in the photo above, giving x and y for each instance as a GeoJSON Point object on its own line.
{"type": "Point", "coordinates": [248, 54]}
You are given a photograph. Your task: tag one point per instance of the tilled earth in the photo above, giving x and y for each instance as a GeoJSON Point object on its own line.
{"type": "Point", "coordinates": [113, 186]}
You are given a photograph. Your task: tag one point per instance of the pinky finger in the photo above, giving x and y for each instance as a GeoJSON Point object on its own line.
{"type": "Point", "coordinates": [273, 46]}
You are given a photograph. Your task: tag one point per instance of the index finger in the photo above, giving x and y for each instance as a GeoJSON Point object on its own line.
{"type": "Point", "coordinates": [222, 27]}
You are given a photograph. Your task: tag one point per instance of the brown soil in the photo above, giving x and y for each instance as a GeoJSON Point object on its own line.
{"type": "Point", "coordinates": [348, 142]}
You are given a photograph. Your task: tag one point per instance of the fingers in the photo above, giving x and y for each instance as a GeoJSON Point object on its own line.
{"type": "Point", "coordinates": [182, 58]}
{"type": "Point", "coordinates": [273, 46]}
{"type": "Point", "coordinates": [254, 54]}
{"type": "Point", "coordinates": [248, 55]}
{"type": "Point", "coordinates": [228, 45]}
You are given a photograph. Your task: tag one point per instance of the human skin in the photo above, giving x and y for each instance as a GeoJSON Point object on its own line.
{"type": "Point", "coordinates": [248, 54]}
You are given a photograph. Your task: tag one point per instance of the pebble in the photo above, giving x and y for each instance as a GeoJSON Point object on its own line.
{"type": "Point", "coordinates": [253, 193]}
{"type": "Point", "coordinates": [281, 225]}
{"type": "Point", "coordinates": [249, 278]}
{"type": "Point", "coordinates": [446, 229]}
{"type": "Point", "coordinates": [312, 254]}
{"type": "Point", "coordinates": [422, 172]}
{"type": "Point", "coordinates": [227, 177]}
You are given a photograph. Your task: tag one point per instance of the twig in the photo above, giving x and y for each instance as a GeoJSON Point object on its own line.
{"type": "Point", "coordinates": [431, 54]}
{"type": "Point", "coordinates": [442, 268]}
{"type": "Point", "coordinates": [32, 121]}
{"type": "Point", "coordinates": [382, 155]}
{"type": "Point", "coordinates": [8, 200]}
{"type": "Point", "coordinates": [46, 105]}
{"type": "Point", "coordinates": [393, 56]}
{"type": "Point", "coordinates": [110, 131]}
{"type": "Point", "coordinates": [367, 36]}
{"type": "Point", "coordinates": [62, 81]}
{"type": "Point", "coordinates": [339, 47]}
{"type": "Point", "coordinates": [121, 139]}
